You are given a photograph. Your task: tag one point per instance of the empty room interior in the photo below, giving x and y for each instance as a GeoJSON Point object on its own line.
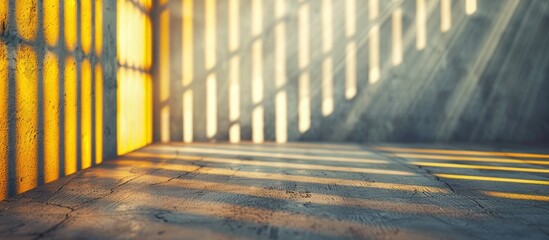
{"type": "Point", "coordinates": [274, 119]}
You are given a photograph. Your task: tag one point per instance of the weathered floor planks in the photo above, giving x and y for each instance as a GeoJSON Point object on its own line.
{"type": "Point", "coordinates": [294, 191]}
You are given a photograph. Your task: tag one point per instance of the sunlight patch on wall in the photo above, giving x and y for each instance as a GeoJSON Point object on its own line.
{"type": "Point", "coordinates": [445, 15]}
{"type": "Point", "coordinates": [304, 104]}
{"type": "Point", "coordinates": [98, 113]}
{"type": "Point", "coordinates": [211, 105]}
{"type": "Point", "coordinates": [4, 6]}
{"type": "Point", "coordinates": [164, 65]}
{"type": "Point", "coordinates": [397, 49]}
{"type": "Point", "coordinates": [133, 92]}
{"type": "Point", "coordinates": [86, 25]}
{"type": "Point", "coordinates": [51, 117]}
{"type": "Point", "coordinates": [70, 24]}
{"type": "Point", "coordinates": [470, 6]}
{"type": "Point", "coordinates": [70, 115]}
{"type": "Point", "coordinates": [373, 14]}
{"type": "Point", "coordinates": [350, 50]}
{"type": "Point", "coordinates": [134, 124]}
{"type": "Point", "coordinates": [26, 90]}
{"type": "Point", "coordinates": [234, 72]}
{"type": "Point", "coordinates": [149, 108]}
{"type": "Point", "coordinates": [327, 63]}
{"type": "Point", "coordinates": [210, 58]}
{"type": "Point", "coordinates": [3, 115]}
{"type": "Point", "coordinates": [51, 21]}
{"type": "Point", "coordinates": [281, 118]}
{"type": "Point", "coordinates": [421, 24]}
{"type": "Point", "coordinates": [86, 114]}
{"type": "Point", "coordinates": [257, 72]}
{"type": "Point", "coordinates": [188, 72]}
{"type": "Point", "coordinates": [26, 15]}
{"type": "Point", "coordinates": [98, 27]}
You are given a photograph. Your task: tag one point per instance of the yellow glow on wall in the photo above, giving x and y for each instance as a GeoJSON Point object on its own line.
{"type": "Point", "coordinates": [281, 123]}
{"type": "Point", "coordinates": [350, 50]}
{"type": "Point", "coordinates": [234, 72]}
{"type": "Point", "coordinates": [397, 49]}
{"type": "Point", "coordinates": [233, 25]}
{"type": "Point", "coordinates": [516, 196]}
{"type": "Point", "coordinates": [26, 90]}
{"type": "Point", "coordinates": [51, 21]}
{"type": "Point", "coordinates": [148, 109]}
{"type": "Point", "coordinates": [148, 43]}
{"type": "Point", "coordinates": [98, 114]}
{"type": "Point", "coordinates": [211, 105]}
{"type": "Point", "coordinates": [51, 117]}
{"type": "Point", "coordinates": [70, 24]}
{"type": "Point", "coordinates": [86, 114]}
{"type": "Point", "coordinates": [234, 100]}
{"type": "Point", "coordinates": [3, 115]}
{"type": "Point", "coordinates": [210, 58]}
{"type": "Point", "coordinates": [257, 72]}
{"type": "Point", "coordinates": [188, 68]}
{"type": "Point", "coordinates": [210, 29]}
{"type": "Point", "coordinates": [165, 124]}
{"type": "Point", "coordinates": [146, 4]}
{"type": "Point", "coordinates": [86, 25]}
{"type": "Point", "coordinates": [164, 65]}
{"type": "Point", "coordinates": [188, 116]}
{"type": "Point", "coordinates": [26, 15]}
{"type": "Point", "coordinates": [421, 24]}
{"type": "Point", "coordinates": [4, 6]}
{"type": "Point", "coordinates": [327, 63]}
{"type": "Point", "coordinates": [445, 15]}
{"type": "Point", "coordinates": [493, 179]}
{"type": "Point", "coordinates": [134, 96]}
{"type": "Point", "coordinates": [98, 26]}
{"type": "Point", "coordinates": [350, 18]}
{"type": "Point", "coordinates": [133, 36]}
{"type": "Point", "coordinates": [133, 130]}
{"type": "Point", "coordinates": [70, 116]}
{"type": "Point", "coordinates": [374, 71]}
{"type": "Point", "coordinates": [121, 10]}
{"type": "Point", "coordinates": [470, 6]}
{"type": "Point", "coordinates": [304, 104]}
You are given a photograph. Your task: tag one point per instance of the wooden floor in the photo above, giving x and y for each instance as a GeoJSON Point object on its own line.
{"type": "Point", "coordinates": [294, 191]}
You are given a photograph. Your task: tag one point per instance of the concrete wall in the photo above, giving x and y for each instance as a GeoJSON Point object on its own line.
{"type": "Point", "coordinates": [58, 89]}
{"type": "Point", "coordinates": [352, 70]}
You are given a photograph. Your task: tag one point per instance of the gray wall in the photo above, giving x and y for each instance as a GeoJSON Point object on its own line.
{"type": "Point", "coordinates": [481, 81]}
{"type": "Point", "coordinates": [25, 132]}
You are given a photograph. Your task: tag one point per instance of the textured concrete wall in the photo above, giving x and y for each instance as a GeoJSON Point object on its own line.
{"type": "Point", "coordinates": [425, 70]}
{"type": "Point", "coordinates": [57, 89]}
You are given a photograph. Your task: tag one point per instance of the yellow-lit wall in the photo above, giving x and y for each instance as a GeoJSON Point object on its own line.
{"type": "Point", "coordinates": [348, 70]}
{"type": "Point", "coordinates": [59, 86]}
{"type": "Point", "coordinates": [134, 54]}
